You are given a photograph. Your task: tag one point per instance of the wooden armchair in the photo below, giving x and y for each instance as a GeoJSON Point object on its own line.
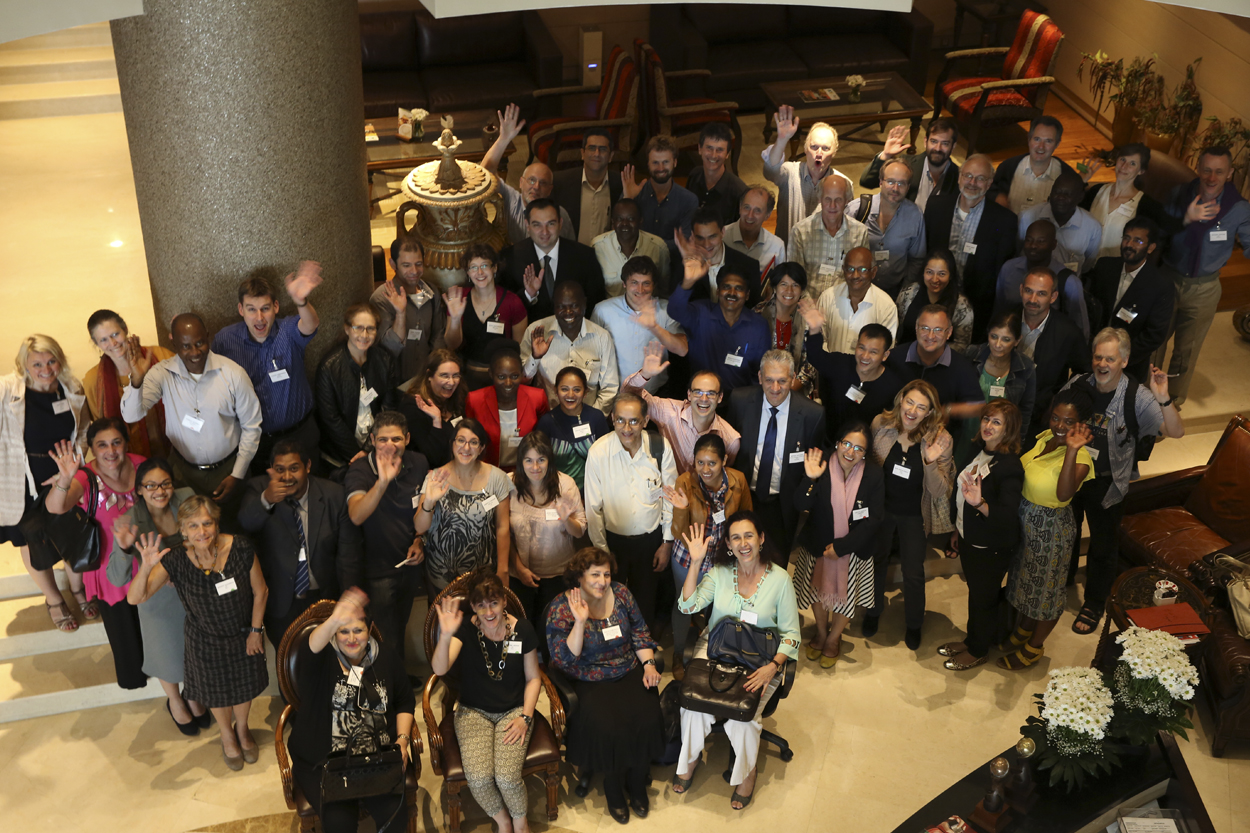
{"type": "Point", "coordinates": [543, 755]}
{"type": "Point", "coordinates": [558, 141]}
{"type": "Point", "coordinates": [291, 652]}
{"type": "Point", "coordinates": [1018, 94]}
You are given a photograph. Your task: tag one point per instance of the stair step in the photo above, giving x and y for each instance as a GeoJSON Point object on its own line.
{"type": "Point", "coordinates": [93, 34]}
{"type": "Point", "coordinates": [60, 98]}
{"type": "Point", "coordinates": [33, 66]}
{"type": "Point", "coordinates": [50, 642]}
{"type": "Point", "coordinates": [74, 700]}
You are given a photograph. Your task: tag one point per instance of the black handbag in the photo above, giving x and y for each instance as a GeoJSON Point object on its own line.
{"type": "Point", "coordinates": [74, 537]}
{"type": "Point", "coordinates": [737, 643]}
{"type": "Point", "coordinates": [717, 689]}
{"type": "Point", "coordinates": [348, 777]}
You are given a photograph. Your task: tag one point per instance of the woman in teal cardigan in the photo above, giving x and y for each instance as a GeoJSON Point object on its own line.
{"type": "Point", "coordinates": [743, 584]}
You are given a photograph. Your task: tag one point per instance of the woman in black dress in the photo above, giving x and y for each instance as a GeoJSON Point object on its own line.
{"type": "Point", "coordinates": [219, 581]}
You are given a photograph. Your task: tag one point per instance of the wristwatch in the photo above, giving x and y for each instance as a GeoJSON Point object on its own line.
{"type": "Point", "coordinates": [261, 629]}
{"type": "Point", "coordinates": [529, 720]}
{"type": "Point", "coordinates": [649, 661]}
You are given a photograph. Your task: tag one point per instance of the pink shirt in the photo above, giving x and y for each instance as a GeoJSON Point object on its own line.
{"type": "Point", "coordinates": [676, 421]}
{"type": "Point", "coordinates": [109, 507]}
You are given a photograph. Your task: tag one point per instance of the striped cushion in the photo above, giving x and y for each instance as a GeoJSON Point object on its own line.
{"type": "Point", "coordinates": [963, 93]}
{"type": "Point", "coordinates": [1033, 50]}
{"type": "Point", "coordinates": [613, 103]}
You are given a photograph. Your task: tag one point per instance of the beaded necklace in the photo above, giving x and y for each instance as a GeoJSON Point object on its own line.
{"type": "Point", "coordinates": [494, 669]}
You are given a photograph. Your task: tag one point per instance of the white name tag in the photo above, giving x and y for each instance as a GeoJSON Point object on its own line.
{"type": "Point", "coordinates": [882, 254]}
{"type": "Point", "coordinates": [513, 441]}
{"type": "Point", "coordinates": [854, 394]}
{"type": "Point", "coordinates": [353, 676]}
{"type": "Point", "coordinates": [581, 430]}
{"type": "Point", "coordinates": [983, 470]}
{"type": "Point", "coordinates": [416, 500]}
{"type": "Point", "coordinates": [494, 327]}
{"type": "Point", "coordinates": [279, 375]}
{"type": "Point", "coordinates": [193, 423]}
{"type": "Point", "coordinates": [970, 248]}
{"type": "Point", "coordinates": [1126, 315]}
{"type": "Point", "coordinates": [1072, 265]}
{"type": "Point", "coordinates": [1219, 235]}
{"type": "Point", "coordinates": [303, 556]}
{"type": "Point", "coordinates": [749, 617]}
{"type": "Point", "coordinates": [552, 514]}
{"type": "Point", "coordinates": [368, 396]}
{"type": "Point", "coordinates": [512, 646]}
{"type": "Point", "coordinates": [60, 406]}
{"type": "Point", "coordinates": [414, 334]}
{"type": "Point", "coordinates": [456, 421]}
{"type": "Point", "coordinates": [859, 514]}
{"type": "Point", "coordinates": [718, 517]}
{"type": "Point", "coordinates": [828, 270]}
{"type": "Point", "coordinates": [733, 360]}
{"type": "Point", "coordinates": [610, 633]}
{"type": "Point", "coordinates": [901, 471]}
{"type": "Point", "coordinates": [997, 391]}
{"type": "Point", "coordinates": [1093, 452]}
{"type": "Point", "coordinates": [490, 503]}
{"type": "Point", "coordinates": [226, 586]}
{"type": "Point", "coordinates": [797, 456]}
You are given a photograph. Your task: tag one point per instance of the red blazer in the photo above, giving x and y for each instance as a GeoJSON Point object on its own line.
{"type": "Point", "coordinates": [483, 405]}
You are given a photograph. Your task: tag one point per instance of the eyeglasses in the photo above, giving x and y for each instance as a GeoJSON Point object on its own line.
{"type": "Point", "coordinates": [979, 180]}
{"type": "Point", "coordinates": [480, 267]}
{"type": "Point", "coordinates": [469, 443]}
{"type": "Point", "coordinates": [704, 394]}
{"type": "Point", "coordinates": [163, 486]}
{"type": "Point", "coordinates": [898, 183]}
{"type": "Point", "coordinates": [531, 180]}
{"type": "Point", "coordinates": [862, 271]}
{"type": "Point", "coordinates": [924, 331]}
{"type": "Point", "coordinates": [858, 449]}
{"type": "Point", "coordinates": [622, 421]}
{"type": "Point", "coordinates": [358, 329]}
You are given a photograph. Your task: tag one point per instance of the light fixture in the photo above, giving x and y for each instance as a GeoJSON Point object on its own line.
{"type": "Point", "coordinates": [116, 244]}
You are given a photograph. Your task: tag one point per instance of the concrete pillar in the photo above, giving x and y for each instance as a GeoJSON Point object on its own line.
{"type": "Point", "coordinates": [247, 142]}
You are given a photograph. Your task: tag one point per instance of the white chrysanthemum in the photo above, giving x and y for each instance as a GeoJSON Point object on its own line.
{"type": "Point", "coordinates": [1152, 654]}
{"type": "Point", "coordinates": [1077, 699]}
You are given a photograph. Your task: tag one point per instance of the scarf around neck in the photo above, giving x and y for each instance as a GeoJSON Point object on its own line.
{"type": "Point", "coordinates": [830, 580]}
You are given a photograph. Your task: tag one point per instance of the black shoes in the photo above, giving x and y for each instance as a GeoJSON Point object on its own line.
{"type": "Point", "coordinates": [912, 638]}
{"type": "Point", "coordinates": [640, 808]}
{"type": "Point", "coordinates": [871, 623]}
{"type": "Point", "coordinates": [191, 728]}
{"type": "Point", "coordinates": [620, 814]}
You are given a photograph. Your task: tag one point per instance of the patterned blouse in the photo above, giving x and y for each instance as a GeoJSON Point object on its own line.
{"type": "Point", "coordinates": [601, 659]}
{"type": "Point", "coordinates": [462, 537]}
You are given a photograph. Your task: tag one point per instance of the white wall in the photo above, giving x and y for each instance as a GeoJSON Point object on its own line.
{"type": "Point", "coordinates": [23, 18]}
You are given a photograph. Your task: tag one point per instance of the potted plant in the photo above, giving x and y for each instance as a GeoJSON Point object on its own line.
{"type": "Point", "coordinates": [1152, 684]}
{"type": "Point", "coordinates": [1070, 730]}
{"type": "Point", "coordinates": [1172, 120]}
{"type": "Point", "coordinates": [1140, 86]}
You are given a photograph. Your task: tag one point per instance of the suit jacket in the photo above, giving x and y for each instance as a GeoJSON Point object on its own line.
{"type": "Point", "coordinates": [1150, 296]}
{"type": "Point", "coordinates": [336, 550]}
{"type": "Point", "coordinates": [577, 262]}
{"type": "Point", "coordinates": [996, 244]}
{"type": "Point", "coordinates": [861, 534]}
{"type": "Point", "coordinates": [805, 429]}
{"type": "Point", "coordinates": [1000, 530]}
{"type": "Point", "coordinates": [735, 261]}
{"type": "Point", "coordinates": [483, 405]}
{"type": "Point", "coordinates": [566, 190]}
{"type": "Point", "coordinates": [871, 177]}
{"type": "Point", "coordinates": [1061, 351]}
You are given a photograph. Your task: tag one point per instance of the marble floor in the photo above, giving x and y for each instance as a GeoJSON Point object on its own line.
{"type": "Point", "coordinates": [874, 739]}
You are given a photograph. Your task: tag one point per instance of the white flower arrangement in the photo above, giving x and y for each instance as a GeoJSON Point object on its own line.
{"type": "Point", "coordinates": [1076, 699]}
{"type": "Point", "coordinates": [1160, 656]}
{"type": "Point", "coordinates": [420, 115]}
{"type": "Point", "coordinates": [855, 81]}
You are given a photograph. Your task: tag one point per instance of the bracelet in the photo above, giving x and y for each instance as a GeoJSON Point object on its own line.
{"type": "Point", "coordinates": [61, 488]}
{"type": "Point", "coordinates": [979, 505]}
{"type": "Point", "coordinates": [405, 736]}
{"type": "Point", "coordinates": [1165, 404]}
{"type": "Point", "coordinates": [426, 511]}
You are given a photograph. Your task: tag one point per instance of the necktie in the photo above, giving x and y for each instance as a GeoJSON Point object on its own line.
{"type": "Point", "coordinates": [765, 476]}
{"type": "Point", "coordinates": [549, 278]}
{"type": "Point", "coordinates": [301, 567]}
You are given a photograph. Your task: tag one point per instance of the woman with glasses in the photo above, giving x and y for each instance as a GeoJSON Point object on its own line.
{"type": "Point", "coordinates": [1005, 372]}
{"type": "Point", "coordinates": [480, 313]}
{"type": "Point", "coordinates": [508, 409]}
{"type": "Point", "coordinates": [435, 405]}
{"type": "Point", "coordinates": [833, 566]}
{"type": "Point", "coordinates": [161, 619]}
{"type": "Point", "coordinates": [464, 510]}
{"type": "Point", "coordinates": [574, 426]}
{"type": "Point", "coordinates": [940, 285]}
{"type": "Point", "coordinates": [355, 382]}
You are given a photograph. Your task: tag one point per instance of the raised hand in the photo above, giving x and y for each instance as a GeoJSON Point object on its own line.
{"type": "Point", "coordinates": [814, 464]}
{"type": "Point", "coordinates": [646, 315]}
{"type": "Point", "coordinates": [449, 615]}
{"type": "Point", "coordinates": [940, 445]}
{"type": "Point", "coordinates": [456, 298]}
{"type": "Point", "coordinates": [1200, 212]}
{"type": "Point", "coordinates": [577, 605]}
{"type": "Point", "coordinates": [812, 315]}
{"type": "Point", "coordinates": [396, 295]}
{"type": "Point", "coordinates": [124, 534]}
{"type": "Point", "coordinates": [653, 363]}
{"type": "Point", "coordinates": [533, 280]}
{"type": "Point", "coordinates": [540, 342]}
{"type": "Point", "coordinates": [510, 123]}
{"type": "Point", "coordinates": [1159, 383]}
{"type": "Point", "coordinates": [388, 462]}
{"type": "Point", "coordinates": [696, 545]}
{"type": "Point", "coordinates": [150, 549]}
{"type": "Point", "coordinates": [629, 188]}
{"type": "Point", "coordinates": [139, 363]}
{"type": "Point", "coordinates": [67, 459]}
{"type": "Point", "coordinates": [896, 142]}
{"type": "Point", "coordinates": [277, 491]}
{"type": "Point", "coordinates": [428, 408]}
{"type": "Point", "coordinates": [676, 497]}
{"type": "Point", "coordinates": [1089, 166]}
{"type": "Point", "coordinates": [303, 280]}
{"type": "Point", "coordinates": [350, 607]}
{"type": "Point", "coordinates": [787, 123]}
{"type": "Point", "coordinates": [437, 484]}
{"type": "Point", "coordinates": [970, 485]}
{"type": "Point", "coordinates": [1079, 436]}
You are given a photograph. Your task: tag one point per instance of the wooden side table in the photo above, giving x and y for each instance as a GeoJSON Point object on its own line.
{"type": "Point", "coordinates": [1135, 588]}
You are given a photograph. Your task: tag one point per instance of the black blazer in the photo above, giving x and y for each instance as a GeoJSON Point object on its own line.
{"type": "Point", "coordinates": [996, 244]}
{"type": "Point", "coordinates": [861, 536]}
{"type": "Point", "coordinates": [566, 190]}
{"type": "Point", "coordinates": [1001, 490]}
{"type": "Point", "coordinates": [338, 395]}
{"type": "Point", "coordinates": [1151, 296]}
{"type": "Point", "coordinates": [1060, 352]}
{"type": "Point", "coordinates": [336, 549]}
{"type": "Point", "coordinates": [805, 429]}
{"type": "Point", "coordinates": [577, 263]}
{"type": "Point", "coordinates": [735, 261]}
{"type": "Point", "coordinates": [871, 177]}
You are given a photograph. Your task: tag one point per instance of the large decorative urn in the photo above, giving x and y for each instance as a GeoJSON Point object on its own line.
{"type": "Point", "coordinates": [451, 198]}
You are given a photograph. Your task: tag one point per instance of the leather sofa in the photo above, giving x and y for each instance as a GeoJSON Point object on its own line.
{"type": "Point", "coordinates": [744, 45]}
{"type": "Point", "coordinates": [410, 59]}
{"type": "Point", "coordinates": [1182, 521]}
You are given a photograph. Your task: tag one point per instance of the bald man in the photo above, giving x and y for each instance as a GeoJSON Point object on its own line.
{"type": "Point", "coordinates": [821, 241]}
{"type": "Point", "coordinates": [536, 180]}
{"type": "Point", "coordinates": [212, 415]}
{"type": "Point", "coordinates": [978, 231]}
{"type": "Point", "coordinates": [798, 182]}
{"type": "Point", "coordinates": [852, 303]}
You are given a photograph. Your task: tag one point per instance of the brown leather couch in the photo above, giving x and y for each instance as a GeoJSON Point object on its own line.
{"type": "Point", "coordinates": [410, 59]}
{"type": "Point", "coordinates": [1181, 521]}
{"type": "Point", "coordinates": [744, 45]}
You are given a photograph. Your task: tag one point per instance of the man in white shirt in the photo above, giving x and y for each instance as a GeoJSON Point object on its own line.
{"type": "Point", "coordinates": [821, 241]}
{"type": "Point", "coordinates": [626, 513]}
{"type": "Point", "coordinates": [536, 181]}
{"type": "Point", "coordinates": [853, 302]}
{"type": "Point", "coordinates": [1078, 235]}
{"type": "Point", "coordinates": [798, 183]}
{"type": "Point", "coordinates": [568, 339]}
{"type": "Point", "coordinates": [748, 235]}
{"type": "Point", "coordinates": [625, 241]}
{"type": "Point", "coordinates": [636, 318]}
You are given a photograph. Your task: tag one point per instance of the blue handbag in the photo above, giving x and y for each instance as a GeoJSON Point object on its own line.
{"type": "Point", "coordinates": [735, 642]}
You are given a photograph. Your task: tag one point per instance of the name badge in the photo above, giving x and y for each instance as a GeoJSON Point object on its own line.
{"type": "Point", "coordinates": [368, 396]}
{"type": "Point", "coordinates": [901, 471]}
{"type": "Point", "coordinates": [582, 430]}
{"type": "Point", "coordinates": [193, 423]}
{"type": "Point", "coordinates": [1126, 315]}
{"type": "Point", "coordinates": [970, 248]}
{"type": "Point", "coordinates": [997, 391]}
{"type": "Point", "coordinates": [983, 470]}
{"type": "Point", "coordinates": [456, 421]}
{"type": "Point", "coordinates": [718, 517]}
{"type": "Point", "coordinates": [552, 514]}
{"type": "Point", "coordinates": [416, 500]}
{"type": "Point", "coordinates": [1219, 235]}
{"type": "Point", "coordinates": [828, 270]}
{"type": "Point", "coordinates": [859, 514]}
{"type": "Point", "coordinates": [1072, 265]}
{"type": "Point", "coordinates": [60, 406]}
{"type": "Point", "coordinates": [881, 254]}
{"type": "Point", "coordinates": [513, 441]}
{"type": "Point", "coordinates": [512, 646]}
{"type": "Point", "coordinates": [303, 556]}
{"type": "Point", "coordinates": [855, 394]}
{"type": "Point", "coordinates": [490, 503]}
{"type": "Point", "coordinates": [353, 675]}
{"type": "Point", "coordinates": [494, 327]}
{"type": "Point", "coordinates": [279, 375]}
{"type": "Point", "coordinates": [226, 586]}
{"type": "Point", "coordinates": [1093, 452]}
{"type": "Point", "coordinates": [414, 334]}
{"type": "Point", "coordinates": [749, 617]}
{"type": "Point", "coordinates": [797, 456]}
{"type": "Point", "coordinates": [733, 360]}
{"type": "Point", "coordinates": [610, 633]}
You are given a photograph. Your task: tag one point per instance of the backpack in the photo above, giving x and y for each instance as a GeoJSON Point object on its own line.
{"type": "Point", "coordinates": [1143, 446]}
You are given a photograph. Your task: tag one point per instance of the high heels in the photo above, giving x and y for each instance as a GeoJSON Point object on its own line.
{"type": "Point", "coordinates": [191, 728]}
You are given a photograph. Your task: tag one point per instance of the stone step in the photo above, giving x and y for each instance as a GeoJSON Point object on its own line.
{"type": "Point", "coordinates": [93, 34]}
{"type": "Point", "coordinates": [34, 66]}
{"type": "Point", "coordinates": [60, 98]}
{"type": "Point", "coordinates": [74, 700]}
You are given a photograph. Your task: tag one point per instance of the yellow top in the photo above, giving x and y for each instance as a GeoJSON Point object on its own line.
{"type": "Point", "coordinates": [1041, 472]}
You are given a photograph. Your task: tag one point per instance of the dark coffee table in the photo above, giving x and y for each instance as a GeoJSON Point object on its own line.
{"type": "Point", "coordinates": [1134, 589]}
{"type": "Point", "coordinates": [885, 96]}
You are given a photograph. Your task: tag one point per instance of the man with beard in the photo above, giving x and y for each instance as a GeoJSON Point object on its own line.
{"type": "Point", "coordinates": [411, 315]}
{"type": "Point", "coordinates": [713, 184]}
{"type": "Point", "coordinates": [853, 302]}
{"type": "Point", "coordinates": [567, 339]}
{"type": "Point", "coordinates": [533, 267]}
{"type": "Point", "coordinates": [589, 192]}
{"type": "Point", "coordinates": [932, 173]}
{"type": "Point", "coordinates": [613, 249]}
{"type": "Point", "coordinates": [1039, 253]}
{"type": "Point", "coordinates": [748, 234]}
{"type": "Point", "coordinates": [820, 242]}
{"type": "Point", "coordinates": [1051, 339]}
{"type": "Point", "coordinates": [895, 229]}
{"type": "Point", "coordinates": [665, 205]}
{"type": "Point", "coordinates": [1025, 180]}
{"type": "Point", "coordinates": [536, 180]}
{"type": "Point", "coordinates": [798, 183]}
{"type": "Point", "coordinates": [1135, 295]}
{"type": "Point", "coordinates": [1078, 234]}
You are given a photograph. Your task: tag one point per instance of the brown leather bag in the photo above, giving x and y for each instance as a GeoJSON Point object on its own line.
{"type": "Point", "coordinates": [717, 689]}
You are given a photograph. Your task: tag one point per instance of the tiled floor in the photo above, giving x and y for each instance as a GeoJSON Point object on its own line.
{"type": "Point", "coordinates": [874, 739]}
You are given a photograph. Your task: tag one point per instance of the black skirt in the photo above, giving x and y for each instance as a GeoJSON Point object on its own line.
{"type": "Point", "coordinates": [617, 725]}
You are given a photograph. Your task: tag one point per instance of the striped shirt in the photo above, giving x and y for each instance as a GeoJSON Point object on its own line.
{"type": "Point", "coordinates": [822, 253]}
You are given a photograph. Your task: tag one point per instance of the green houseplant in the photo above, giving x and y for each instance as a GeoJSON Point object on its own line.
{"type": "Point", "coordinates": [1171, 121]}
{"type": "Point", "coordinates": [1134, 87]}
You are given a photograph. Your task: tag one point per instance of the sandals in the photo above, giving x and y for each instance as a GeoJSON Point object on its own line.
{"type": "Point", "coordinates": [1027, 655]}
{"type": "Point", "coordinates": [745, 799]}
{"type": "Point", "coordinates": [62, 619]}
{"type": "Point", "coordinates": [1088, 619]}
{"type": "Point", "coordinates": [1018, 637]}
{"type": "Point", "coordinates": [684, 783]}
{"type": "Point", "coordinates": [90, 609]}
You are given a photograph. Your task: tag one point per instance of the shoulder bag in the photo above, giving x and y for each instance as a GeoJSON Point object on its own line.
{"type": "Point", "coordinates": [736, 643]}
{"type": "Point", "coordinates": [74, 537]}
{"type": "Point", "coordinates": [1238, 592]}
{"type": "Point", "coordinates": [717, 689]}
